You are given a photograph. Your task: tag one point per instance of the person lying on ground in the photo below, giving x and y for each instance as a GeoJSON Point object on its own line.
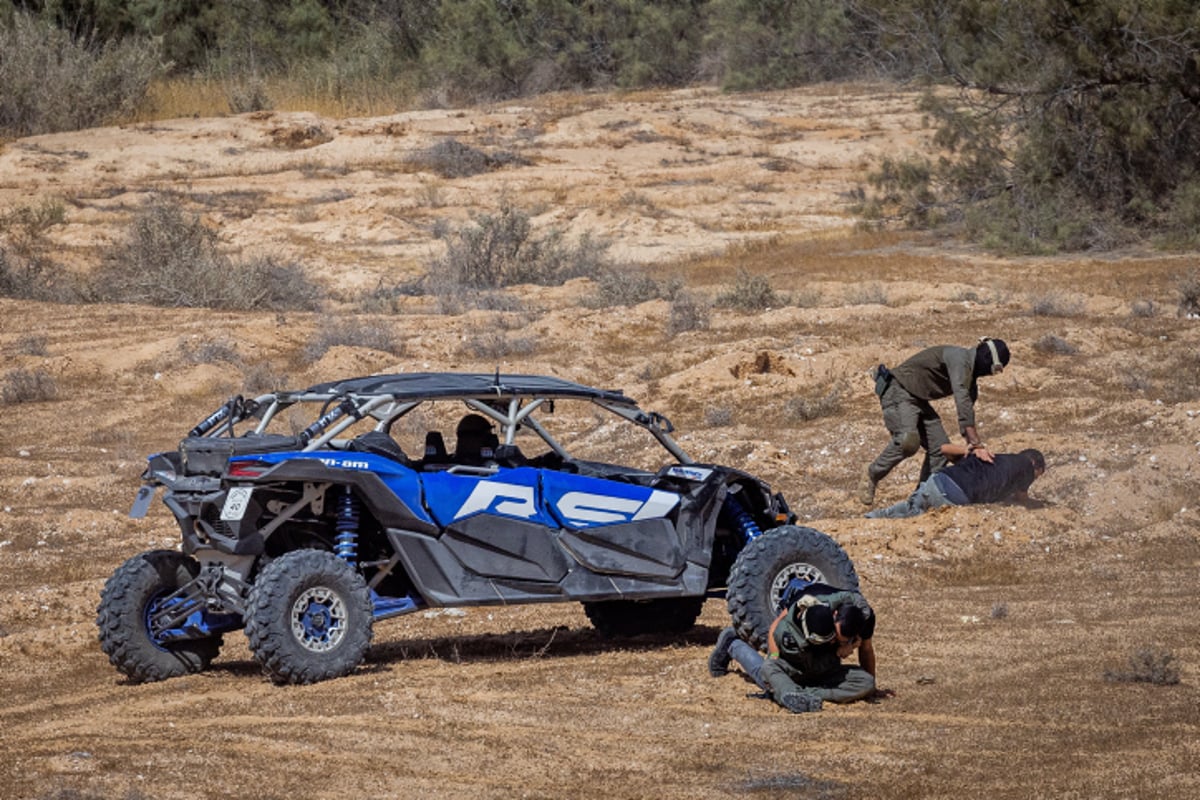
{"type": "Point", "coordinates": [971, 480]}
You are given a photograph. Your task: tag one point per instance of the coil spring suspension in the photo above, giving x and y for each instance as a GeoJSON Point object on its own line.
{"type": "Point", "coordinates": [345, 544]}
{"type": "Point", "coordinates": [742, 519]}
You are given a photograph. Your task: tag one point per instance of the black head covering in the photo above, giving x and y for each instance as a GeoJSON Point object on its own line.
{"type": "Point", "coordinates": [984, 363]}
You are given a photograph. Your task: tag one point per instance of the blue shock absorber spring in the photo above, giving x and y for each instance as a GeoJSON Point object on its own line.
{"type": "Point", "coordinates": [741, 517]}
{"type": "Point", "coordinates": [346, 542]}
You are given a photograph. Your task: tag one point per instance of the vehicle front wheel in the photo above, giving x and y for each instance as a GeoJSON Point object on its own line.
{"type": "Point", "coordinates": [308, 617]}
{"type": "Point", "coordinates": [767, 564]}
{"type": "Point", "coordinates": [128, 600]}
{"type": "Point", "coordinates": [619, 618]}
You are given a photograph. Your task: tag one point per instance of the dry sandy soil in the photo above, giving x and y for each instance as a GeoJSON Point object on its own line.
{"type": "Point", "coordinates": [999, 626]}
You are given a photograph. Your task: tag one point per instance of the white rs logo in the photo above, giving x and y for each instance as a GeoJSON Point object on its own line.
{"type": "Point", "coordinates": [580, 508]}
{"type": "Point", "coordinates": [514, 500]}
{"type": "Point", "coordinates": [600, 509]}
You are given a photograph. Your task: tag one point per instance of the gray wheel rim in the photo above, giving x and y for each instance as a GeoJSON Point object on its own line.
{"type": "Point", "coordinates": [319, 619]}
{"type": "Point", "coordinates": [800, 569]}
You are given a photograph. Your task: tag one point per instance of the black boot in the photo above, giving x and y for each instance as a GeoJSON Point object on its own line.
{"type": "Point", "coordinates": [718, 660]}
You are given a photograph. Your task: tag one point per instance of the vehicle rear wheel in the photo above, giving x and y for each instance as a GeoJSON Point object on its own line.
{"type": "Point", "coordinates": [308, 617]}
{"type": "Point", "coordinates": [128, 600]}
{"type": "Point", "coordinates": [619, 618]}
{"type": "Point", "coordinates": [769, 562]}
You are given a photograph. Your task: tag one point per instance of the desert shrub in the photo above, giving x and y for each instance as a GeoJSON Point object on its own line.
{"type": "Point", "coordinates": [27, 268]}
{"type": "Point", "coordinates": [28, 386]}
{"type": "Point", "coordinates": [498, 344]}
{"type": "Point", "coordinates": [1147, 665]}
{"type": "Point", "coordinates": [807, 409]}
{"type": "Point", "coordinates": [749, 293]}
{"type": "Point", "coordinates": [54, 81]}
{"type": "Point", "coordinates": [1000, 611]}
{"type": "Point", "coordinates": [718, 416]}
{"type": "Point", "coordinates": [248, 94]}
{"type": "Point", "coordinates": [450, 158]}
{"type": "Point", "coordinates": [501, 249]}
{"type": "Point", "coordinates": [1055, 304]}
{"type": "Point", "coordinates": [869, 295]}
{"type": "Point", "coordinates": [169, 257]}
{"type": "Point", "coordinates": [1188, 289]}
{"type": "Point", "coordinates": [208, 351]}
{"type": "Point", "coordinates": [629, 287]}
{"type": "Point", "coordinates": [1055, 346]}
{"type": "Point", "coordinates": [689, 312]}
{"type": "Point", "coordinates": [262, 378]}
{"type": "Point", "coordinates": [33, 344]}
{"type": "Point", "coordinates": [1143, 309]}
{"type": "Point", "coordinates": [350, 332]}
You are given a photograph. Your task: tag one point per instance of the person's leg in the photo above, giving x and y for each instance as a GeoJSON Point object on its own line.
{"type": "Point", "coordinates": [928, 495]}
{"type": "Point", "coordinates": [933, 436]}
{"type": "Point", "coordinates": [842, 685]}
{"type": "Point", "coordinates": [901, 416]}
{"type": "Point", "coordinates": [750, 660]}
{"type": "Point", "coordinates": [784, 690]}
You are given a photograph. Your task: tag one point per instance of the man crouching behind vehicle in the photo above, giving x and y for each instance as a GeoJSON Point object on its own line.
{"type": "Point", "coordinates": [805, 647]}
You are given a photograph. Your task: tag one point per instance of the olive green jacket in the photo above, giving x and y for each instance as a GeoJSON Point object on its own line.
{"type": "Point", "coordinates": [942, 371]}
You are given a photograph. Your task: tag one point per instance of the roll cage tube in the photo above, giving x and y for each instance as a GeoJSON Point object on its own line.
{"type": "Point", "coordinates": [659, 426]}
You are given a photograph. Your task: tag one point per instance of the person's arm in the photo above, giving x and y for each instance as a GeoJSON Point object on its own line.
{"type": "Point", "coordinates": [772, 645]}
{"type": "Point", "coordinates": [975, 445]}
{"type": "Point", "coordinates": [866, 656]}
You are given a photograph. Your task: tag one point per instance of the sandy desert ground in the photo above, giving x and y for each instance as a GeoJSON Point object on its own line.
{"type": "Point", "coordinates": [999, 626]}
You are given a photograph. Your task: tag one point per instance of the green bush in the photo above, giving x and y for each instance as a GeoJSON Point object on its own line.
{"type": "Point", "coordinates": [51, 81]}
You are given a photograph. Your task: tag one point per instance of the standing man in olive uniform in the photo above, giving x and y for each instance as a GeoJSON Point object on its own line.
{"type": "Point", "coordinates": [805, 647]}
{"type": "Point", "coordinates": [905, 394]}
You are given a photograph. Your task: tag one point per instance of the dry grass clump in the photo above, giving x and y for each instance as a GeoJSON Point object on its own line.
{"type": "Point", "coordinates": [807, 409]}
{"type": "Point", "coordinates": [450, 158]}
{"type": "Point", "coordinates": [349, 332]}
{"type": "Point", "coordinates": [496, 344]}
{"type": "Point", "coordinates": [689, 312]}
{"type": "Point", "coordinates": [750, 293]}
{"type": "Point", "coordinates": [1055, 304]}
{"type": "Point", "coordinates": [28, 386]}
{"type": "Point", "coordinates": [169, 257]}
{"type": "Point", "coordinates": [208, 351]}
{"type": "Point", "coordinates": [628, 287]}
{"type": "Point", "coordinates": [28, 270]}
{"type": "Point", "coordinates": [1147, 665]}
{"type": "Point", "coordinates": [1055, 345]}
{"type": "Point", "coordinates": [1188, 288]}
{"type": "Point", "coordinates": [502, 249]}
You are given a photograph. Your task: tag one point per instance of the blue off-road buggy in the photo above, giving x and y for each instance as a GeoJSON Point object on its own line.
{"type": "Point", "coordinates": [305, 520]}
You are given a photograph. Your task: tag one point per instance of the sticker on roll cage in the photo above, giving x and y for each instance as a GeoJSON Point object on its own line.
{"type": "Point", "coordinates": [236, 502]}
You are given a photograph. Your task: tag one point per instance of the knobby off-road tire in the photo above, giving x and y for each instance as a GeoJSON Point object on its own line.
{"type": "Point", "coordinates": [766, 565]}
{"type": "Point", "coordinates": [308, 617]}
{"type": "Point", "coordinates": [620, 618]}
{"type": "Point", "coordinates": [123, 619]}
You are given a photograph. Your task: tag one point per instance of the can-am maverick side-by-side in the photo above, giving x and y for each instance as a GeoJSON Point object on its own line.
{"type": "Point", "coordinates": [304, 522]}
